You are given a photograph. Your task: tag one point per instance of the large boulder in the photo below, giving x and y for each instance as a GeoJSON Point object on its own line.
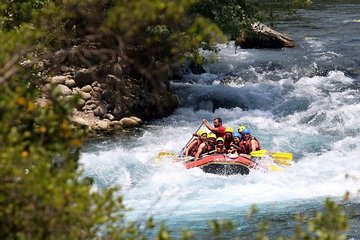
{"type": "Point", "coordinates": [262, 36]}
{"type": "Point", "coordinates": [187, 68]}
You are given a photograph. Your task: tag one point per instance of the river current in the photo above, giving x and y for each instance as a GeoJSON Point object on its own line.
{"type": "Point", "coordinates": [303, 100]}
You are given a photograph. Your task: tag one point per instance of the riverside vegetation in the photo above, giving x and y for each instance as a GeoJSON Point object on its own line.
{"type": "Point", "coordinates": [42, 192]}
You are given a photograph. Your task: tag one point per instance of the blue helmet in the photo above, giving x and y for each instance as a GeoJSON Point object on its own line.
{"type": "Point", "coordinates": [245, 131]}
{"type": "Point", "coordinates": [237, 135]}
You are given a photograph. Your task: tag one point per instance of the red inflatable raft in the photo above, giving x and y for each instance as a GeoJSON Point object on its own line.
{"type": "Point", "coordinates": [221, 164]}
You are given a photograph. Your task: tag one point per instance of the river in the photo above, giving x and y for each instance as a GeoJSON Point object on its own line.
{"type": "Point", "coordinates": [304, 100]}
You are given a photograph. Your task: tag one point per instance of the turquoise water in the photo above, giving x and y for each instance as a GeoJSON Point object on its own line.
{"type": "Point", "coordinates": [303, 100]}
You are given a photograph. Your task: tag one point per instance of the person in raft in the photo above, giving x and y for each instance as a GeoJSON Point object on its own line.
{"type": "Point", "coordinates": [207, 147]}
{"type": "Point", "coordinates": [220, 148]}
{"type": "Point", "coordinates": [218, 128]}
{"type": "Point", "coordinates": [237, 147]}
{"type": "Point", "coordinates": [228, 138]}
{"type": "Point", "coordinates": [192, 148]}
{"type": "Point", "coordinates": [251, 143]}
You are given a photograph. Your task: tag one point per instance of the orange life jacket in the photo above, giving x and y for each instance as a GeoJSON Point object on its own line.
{"type": "Point", "coordinates": [195, 148]}
{"type": "Point", "coordinates": [248, 145]}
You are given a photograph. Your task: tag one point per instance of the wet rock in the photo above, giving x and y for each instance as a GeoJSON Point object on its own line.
{"type": "Point", "coordinates": [116, 125]}
{"type": "Point", "coordinates": [128, 122]}
{"type": "Point", "coordinates": [100, 126]}
{"type": "Point", "coordinates": [138, 120]}
{"type": "Point", "coordinates": [188, 68]}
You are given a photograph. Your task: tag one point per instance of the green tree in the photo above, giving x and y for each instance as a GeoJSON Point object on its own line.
{"type": "Point", "coordinates": [42, 193]}
{"type": "Point", "coordinates": [14, 13]}
{"type": "Point", "coordinates": [234, 17]}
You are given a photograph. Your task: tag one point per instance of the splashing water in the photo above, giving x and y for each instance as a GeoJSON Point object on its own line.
{"type": "Point", "coordinates": [298, 100]}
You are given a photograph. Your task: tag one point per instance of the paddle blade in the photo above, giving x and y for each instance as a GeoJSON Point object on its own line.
{"type": "Point", "coordinates": [282, 162]}
{"type": "Point", "coordinates": [259, 153]}
{"type": "Point", "coordinates": [275, 168]}
{"type": "Point", "coordinates": [167, 154]}
{"type": "Point", "coordinates": [163, 155]}
{"type": "Point", "coordinates": [282, 155]}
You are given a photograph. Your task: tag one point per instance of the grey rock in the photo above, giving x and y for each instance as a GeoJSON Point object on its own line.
{"type": "Point", "coordinates": [100, 111]}
{"type": "Point", "coordinates": [100, 125]}
{"type": "Point", "coordinates": [128, 122]}
{"type": "Point", "coordinates": [70, 83]}
{"type": "Point", "coordinates": [58, 79]}
{"type": "Point", "coordinates": [84, 95]}
{"type": "Point", "coordinates": [85, 77]}
{"type": "Point", "coordinates": [80, 121]}
{"type": "Point", "coordinates": [109, 116]}
{"type": "Point", "coordinates": [138, 120]}
{"type": "Point", "coordinates": [63, 90]}
{"type": "Point", "coordinates": [87, 89]}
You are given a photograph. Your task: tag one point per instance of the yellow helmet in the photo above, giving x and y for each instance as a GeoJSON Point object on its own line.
{"type": "Point", "coordinates": [201, 132]}
{"type": "Point", "coordinates": [211, 135]}
{"type": "Point", "coordinates": [241, 128]}
{"type": "Point", "coordinates": [229, 129]}
{"type": "Point", "coordinates": [220, 139]}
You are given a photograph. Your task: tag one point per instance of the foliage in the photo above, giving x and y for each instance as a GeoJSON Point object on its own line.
{"type": "Point", "coordinates": [14, 13]}
{"type": "Point", "coordinates": [271, 10]}
{"type": "Point", "coordinates": [331, 224]}
{"type": "Point", "coordinates": [42, 195]}
{"type": "Point", "coordinates": [235, 17]}
{"type": "Point", "coordinates": [232, 16]}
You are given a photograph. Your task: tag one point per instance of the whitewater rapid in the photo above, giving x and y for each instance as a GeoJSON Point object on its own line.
{"type": "Point", "coordinates": [324, 138]}
{"type": "Point", "coordinates": [298, 100]}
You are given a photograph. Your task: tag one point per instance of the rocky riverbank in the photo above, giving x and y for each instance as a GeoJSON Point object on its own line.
{"type": "Point", "coordinates": [108, 100]}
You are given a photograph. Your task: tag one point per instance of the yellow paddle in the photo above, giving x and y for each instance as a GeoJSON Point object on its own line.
{"type": "Point", "coordinates": [283, 158]}
{"type": "Point", "coordinates": [259, 153]}
{"type": "Point", "coordinates": [282, 155]}
{"type": "Point", "coordinates": [161, 155]}
{"type": "Point", "coordinates": [275, 168]}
